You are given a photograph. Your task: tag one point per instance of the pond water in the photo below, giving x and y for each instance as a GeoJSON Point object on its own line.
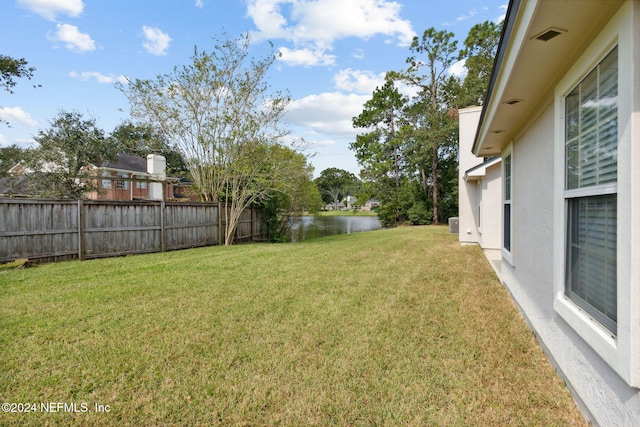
{"type": "Point", "coordinates": [311, 226]}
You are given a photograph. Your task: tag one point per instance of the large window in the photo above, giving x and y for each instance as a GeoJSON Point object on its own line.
{"type": "Point", "coordinates": [596, 204]}
{"type": "Point", "coordinates": [591, 159]}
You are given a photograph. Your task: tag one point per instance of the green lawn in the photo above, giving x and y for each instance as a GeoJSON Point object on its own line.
{"type": "Point", "coordinates": [390, 327]}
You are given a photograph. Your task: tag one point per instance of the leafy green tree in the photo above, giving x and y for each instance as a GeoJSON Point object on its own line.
{"type": "Point", "coordinates": [141, 140]}
{"type": "Point", "coordinates": [366, 191]}
{"type": "Point", "coordinates": [416, 149]}
{"type": "Point", "coordinates": [396, 204]}
{"type": "Point", "coordinates": [11, 156]}
{"type": "Point", "coordinates": [11, 69]}
{"type": "Point", "coordinates": [293, 196]}
{"type": "Point", "coordinates": [379, 149]}
{"type": "Point", "coordinates": [449, 184]}
{"type": "Point", "coordinates": [334, 184]}
{"type": "Point", "coordinates": [433, 55]}
{"type": "Point", "coordinates": [480, 48]}
{"type": "Point", "coordinates": [410, 153]}
{"type": "Point", "coordinates": [58, 165]}
{"type": "Point", "coordinates": [217, 111]}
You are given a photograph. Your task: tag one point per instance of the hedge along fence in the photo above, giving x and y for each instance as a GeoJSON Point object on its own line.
{"type": "Point", "coordinates": [51, 230]}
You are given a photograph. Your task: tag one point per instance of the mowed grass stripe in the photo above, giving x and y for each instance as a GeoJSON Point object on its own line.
{"type": "Point", "coordinates": [391, 327]}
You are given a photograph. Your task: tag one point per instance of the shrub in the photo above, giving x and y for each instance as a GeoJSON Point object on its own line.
{"type": "Point", "coordinates": [419, 214]}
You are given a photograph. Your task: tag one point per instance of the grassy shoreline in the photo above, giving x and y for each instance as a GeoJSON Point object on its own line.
{"type": "Point", "coordinates": [389, 327]}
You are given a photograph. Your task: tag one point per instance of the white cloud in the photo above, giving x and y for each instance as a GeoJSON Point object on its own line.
{"type": "Point", "coordinates": [49, 9]}
{"type": "Point", "coordinates": [471, 14]}
{"type": "Point", "coordinates": [328, 114]}
{"type": "Point", "coordinates": [365, 82]}
{"type": "Point", "coordinates": [329, 20]}
{"type": "Point", "coordinates": [315, 25]}
{"type": "Point", "coordinates": [323, 143]}
{"type": "Point", "coordinates": [503, 15]}
{"type": "Point", "coordinates": [359, 81]}
{"type": "Point", "coordinates": [305, 57]}
{"type": "Point", "coordinates": [157, 42]}
{"type": "Point", "coordinates": [73, 38]}
{"type": "Point", "coordinates": [15, 115]}
{"type": "Point", "coordinates": [25, 142]}
{"type": "Point", "coordinates": [100, 78]}
{"type": "Point", "coordinates": [199, 3]}
{"type": "Point", "coordinates": [458, 68]}
{"type": "Point", "coordinates": [358, 54]}
{"type": "Point", "coordinates": [266, 16]}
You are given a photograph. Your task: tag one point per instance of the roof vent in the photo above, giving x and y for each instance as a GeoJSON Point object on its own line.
{"type": "Point", "coordinates": [497, 131]}
{"type": "Point", "coordinates": [513, 101]}
{"type": "Point", "coordinates": [548, 34]}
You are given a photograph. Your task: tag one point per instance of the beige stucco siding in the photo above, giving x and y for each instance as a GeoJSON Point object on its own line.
{"type": "Point", "coordinates": [467, 197]}
{"type": "Point", "coordinates": [529, 277]}
{"type": "Point", "coordinates": [490, 221]}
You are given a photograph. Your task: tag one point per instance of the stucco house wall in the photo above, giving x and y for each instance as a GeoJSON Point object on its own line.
{"type": "Point", "coordinates": [479, 188]}
{"type": "Point", "coordinates": [490, 188]}
{"type": "Point", "coordinates": [603, 396]}
{"type": "Point", "coordinates": [467, 191]}
{"type": "Point", "coordinates": [600, 365]}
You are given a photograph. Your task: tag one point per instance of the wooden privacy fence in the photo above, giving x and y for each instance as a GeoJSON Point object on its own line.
{"type": "Point", "coordinates": [52, 230]}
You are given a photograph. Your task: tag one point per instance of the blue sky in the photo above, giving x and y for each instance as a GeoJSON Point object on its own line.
{"type": "Point", "coordinates": [334, 54]}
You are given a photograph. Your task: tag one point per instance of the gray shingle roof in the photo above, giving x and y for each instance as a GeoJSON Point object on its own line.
{"type": "Point", "coordinates": [126, 162]}
{"type": "Point", "coordinates": [13, 185]}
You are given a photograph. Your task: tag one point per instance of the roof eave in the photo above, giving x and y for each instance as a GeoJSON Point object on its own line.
{"type": "Point", "coordinates": [527, 67]}
{"type": "Point", "coordinates": [507, 29]}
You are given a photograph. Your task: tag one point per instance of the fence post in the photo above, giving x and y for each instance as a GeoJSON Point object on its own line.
{"type": "Point", "coordinates": [220, 222]}
{"type": "Point", "coordinates": [163, 226]}
{"type": "Point", "coordinates": [80, 231]}
{"type": "Point", "coordinates": [251, 224]}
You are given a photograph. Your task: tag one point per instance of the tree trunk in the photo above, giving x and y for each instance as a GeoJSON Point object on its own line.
{"type": "Point", "coordinates": [425, 186]}
{"type": "Point", "coordinates": [396, 167]}
{"type": "Point", "coordinates": [396, 161]}
{"type": "Point", "coordinates": [434, 183]}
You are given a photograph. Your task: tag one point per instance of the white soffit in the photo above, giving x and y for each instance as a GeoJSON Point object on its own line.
{"type": "Point", "coordinates": [530, 67]}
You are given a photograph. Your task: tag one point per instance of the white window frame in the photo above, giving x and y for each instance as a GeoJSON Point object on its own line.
{"type": "Point", "coordinates": [106, 183]}
{"type": "Point", "coordinates": [507, 254]}
{"type": "Point", "coordinates": [621, 351]}
{"type": "Point", "coordinates": [141, 185]}
{"type": "Point", "coordinates": [122, 184]}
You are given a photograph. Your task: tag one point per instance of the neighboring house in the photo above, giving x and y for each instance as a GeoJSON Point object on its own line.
{"type": "Point", "coordinates": [563, 112]}
{"type": "Point", "coordinates": [13, 186]}
{"type": "Point", "coordinates": [479, 188]}
{"type": "Point", "coordinates": [128, 177]}
{"type": "Point", "coordinates": [350, 201]}
{"type": "Point", "coordinates": [370, 205]}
